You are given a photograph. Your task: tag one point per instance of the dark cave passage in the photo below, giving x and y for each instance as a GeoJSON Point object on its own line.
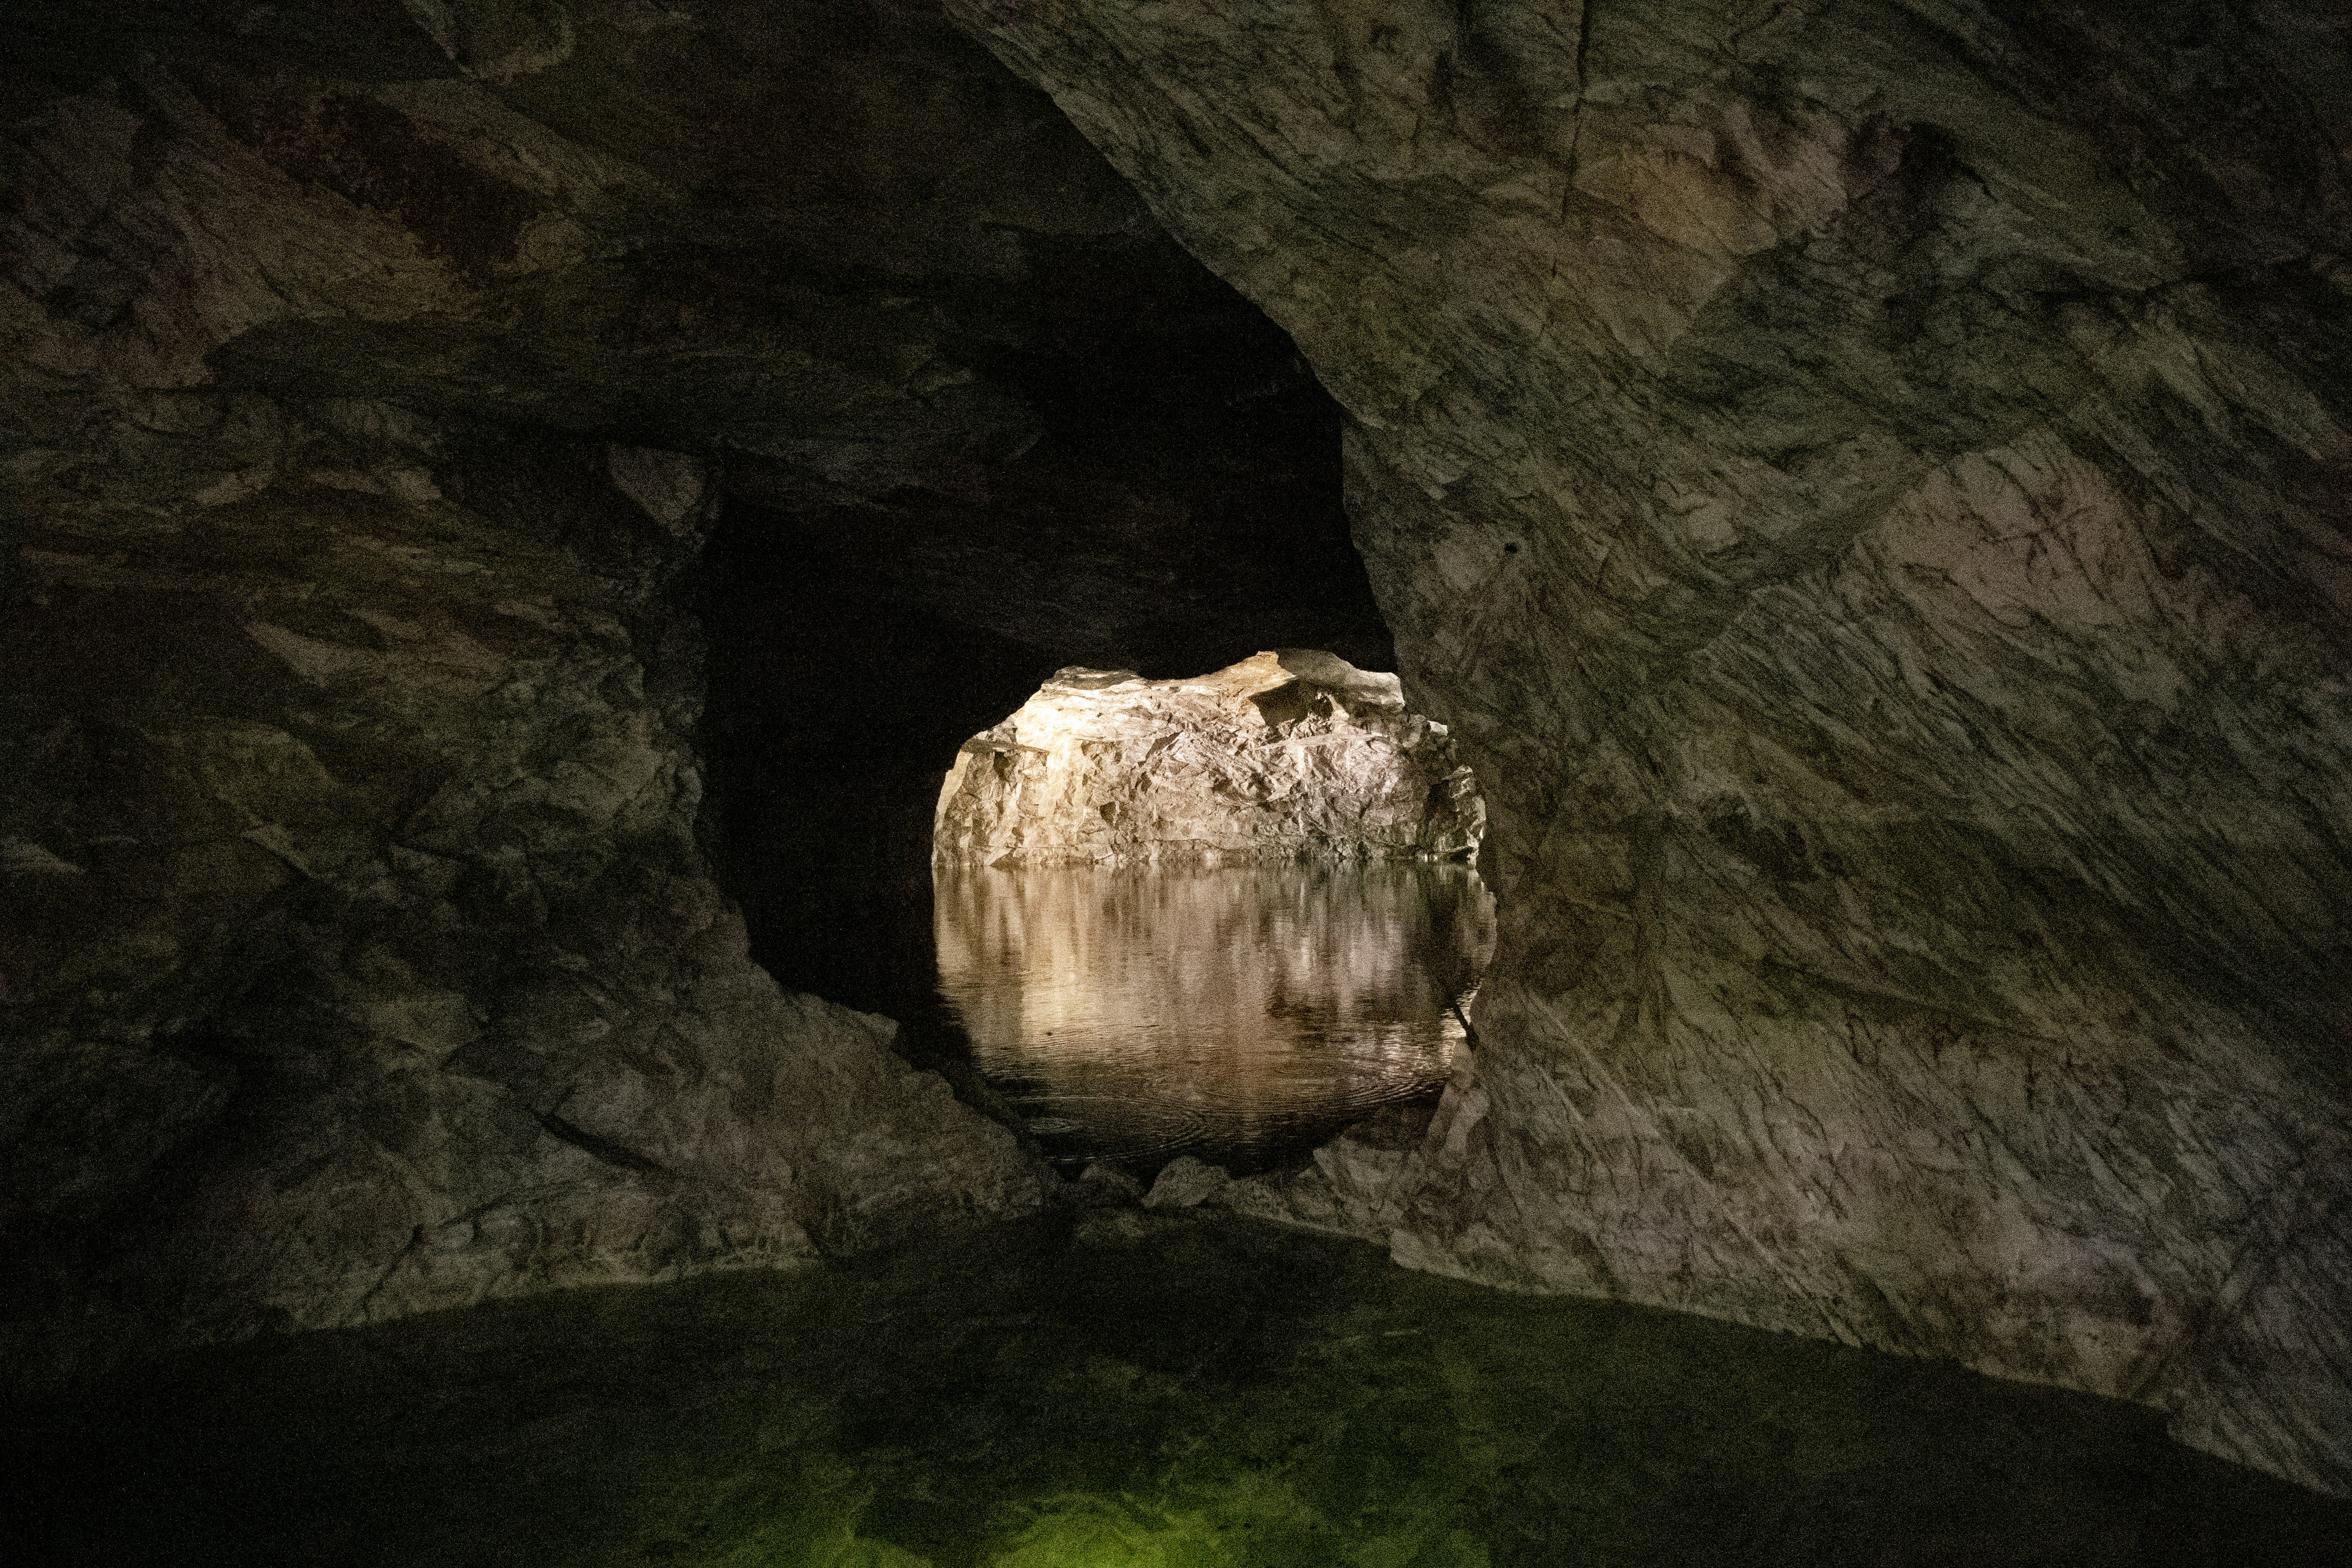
{"type": "Point", "coordinates": [1178, 510]}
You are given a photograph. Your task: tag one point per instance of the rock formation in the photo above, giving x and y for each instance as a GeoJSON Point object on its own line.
{"type": "Point", "coordinates": [1295, 755]}
{"type": "Point", "coordinates": [368, 398]}
{"type": "Point", "coordinates": [392, 394]}
{"type": "Point", "coordinates": [361, 957]}
{"type": "Point", "coordinates": [1866, 484]}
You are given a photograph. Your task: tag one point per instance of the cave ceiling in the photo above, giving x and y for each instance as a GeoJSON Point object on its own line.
{"type": "Point", "coordinates": [938, 345]}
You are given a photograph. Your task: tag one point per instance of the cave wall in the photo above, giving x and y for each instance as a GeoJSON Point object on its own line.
{"type": "Point", "coordinates": [368, 404]}
{"type": "Point", "coordinates": [1866, 481]}
{"type": "Point", "coordinates": [363, 958]}
{"type": "Point", "coordinates": [513, 509]}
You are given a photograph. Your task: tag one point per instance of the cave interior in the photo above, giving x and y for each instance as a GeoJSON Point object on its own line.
{"type": "Point", "coordinates": [512, 507]}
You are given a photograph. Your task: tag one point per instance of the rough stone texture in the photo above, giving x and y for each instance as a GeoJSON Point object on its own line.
{"type": "Point", "coordinates": [374, 377]}
{"type": "Point", "coordinates": [361, 960]}
{"type": "Point", "coordinates": [1186, 1182]}
{"type": "Point", "coordinates": [1867, 483]}
{"type": "Point", "coordinates": [1865, 480]}
{"type": "Point", "coordinates": [1360, 1183]}
{"type": "Point", "coordinates": [359, 954]}
{"type": "Point", "coordinates": [1284, 756]}
{"type": "Point", "coordinates": [1101, 1185]}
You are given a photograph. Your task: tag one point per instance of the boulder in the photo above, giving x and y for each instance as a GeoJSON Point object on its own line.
{"type": "Point", "coordinates": [1104, 1186]}
{"type": "Point", "coordinates": [1186, 1182]}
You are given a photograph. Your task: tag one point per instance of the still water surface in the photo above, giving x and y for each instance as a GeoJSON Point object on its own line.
{"type": "Point", "coordinates": [1239, 1014]}
{"type": "Point", "coordinates": [1208, 1392]}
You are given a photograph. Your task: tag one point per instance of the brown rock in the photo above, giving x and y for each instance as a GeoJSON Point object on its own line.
{"type": "Point", "coordinates": [1187, 1183]}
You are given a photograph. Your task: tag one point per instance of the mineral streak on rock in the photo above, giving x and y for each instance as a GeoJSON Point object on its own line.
{"type": "Point", "coordinates": [1288, 755]}
{"type": "Point", "coordinates": [1865, 483]}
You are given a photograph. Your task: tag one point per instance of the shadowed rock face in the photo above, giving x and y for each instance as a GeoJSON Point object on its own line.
{"type": "Point", "coordinates": [1297, 756]}
{"type": "Point", "coordinates": [362, 958]}
{"type": "Point", "coordinates": [375, 378]}
{"type": "Point", "coordinates": [1867, 485]}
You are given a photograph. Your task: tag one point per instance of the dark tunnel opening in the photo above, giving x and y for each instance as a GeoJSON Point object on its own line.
{"type": "Point", "coordinates": [1179, 507]}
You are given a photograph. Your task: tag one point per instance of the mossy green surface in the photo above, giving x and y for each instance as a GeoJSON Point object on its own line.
{"type": "Point", "coordinates": [1215, 1395]}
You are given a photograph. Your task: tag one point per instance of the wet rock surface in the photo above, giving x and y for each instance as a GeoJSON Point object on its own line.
{"type": "Point", "coordinates": [1292, 755]}
{"type": "Point", "coordinates": [1864, 484]}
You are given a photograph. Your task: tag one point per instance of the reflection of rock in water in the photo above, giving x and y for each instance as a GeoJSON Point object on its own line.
{"type": "Point", "coordinates": [1239, 1013]}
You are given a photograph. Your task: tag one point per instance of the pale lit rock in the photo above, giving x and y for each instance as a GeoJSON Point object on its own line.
{"type": "Point", "coordinates": [1301, 1199]}
{"type": "Point", "coordinates": [1187, 1183]}
{"type": "Point", "coordinates": [1864, 484]}
{"type": "Point", "coordinates": [1358, 1185]}
{"type": "Point", "coordinates": [1282, 756]}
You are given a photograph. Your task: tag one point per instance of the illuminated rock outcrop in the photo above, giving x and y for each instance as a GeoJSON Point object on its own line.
{"type": "Point", "coordinates": [1282, 756]}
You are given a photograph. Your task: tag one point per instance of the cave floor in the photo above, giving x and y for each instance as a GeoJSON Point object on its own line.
{"type": "Point", "coordinates": [1130, 1389]}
